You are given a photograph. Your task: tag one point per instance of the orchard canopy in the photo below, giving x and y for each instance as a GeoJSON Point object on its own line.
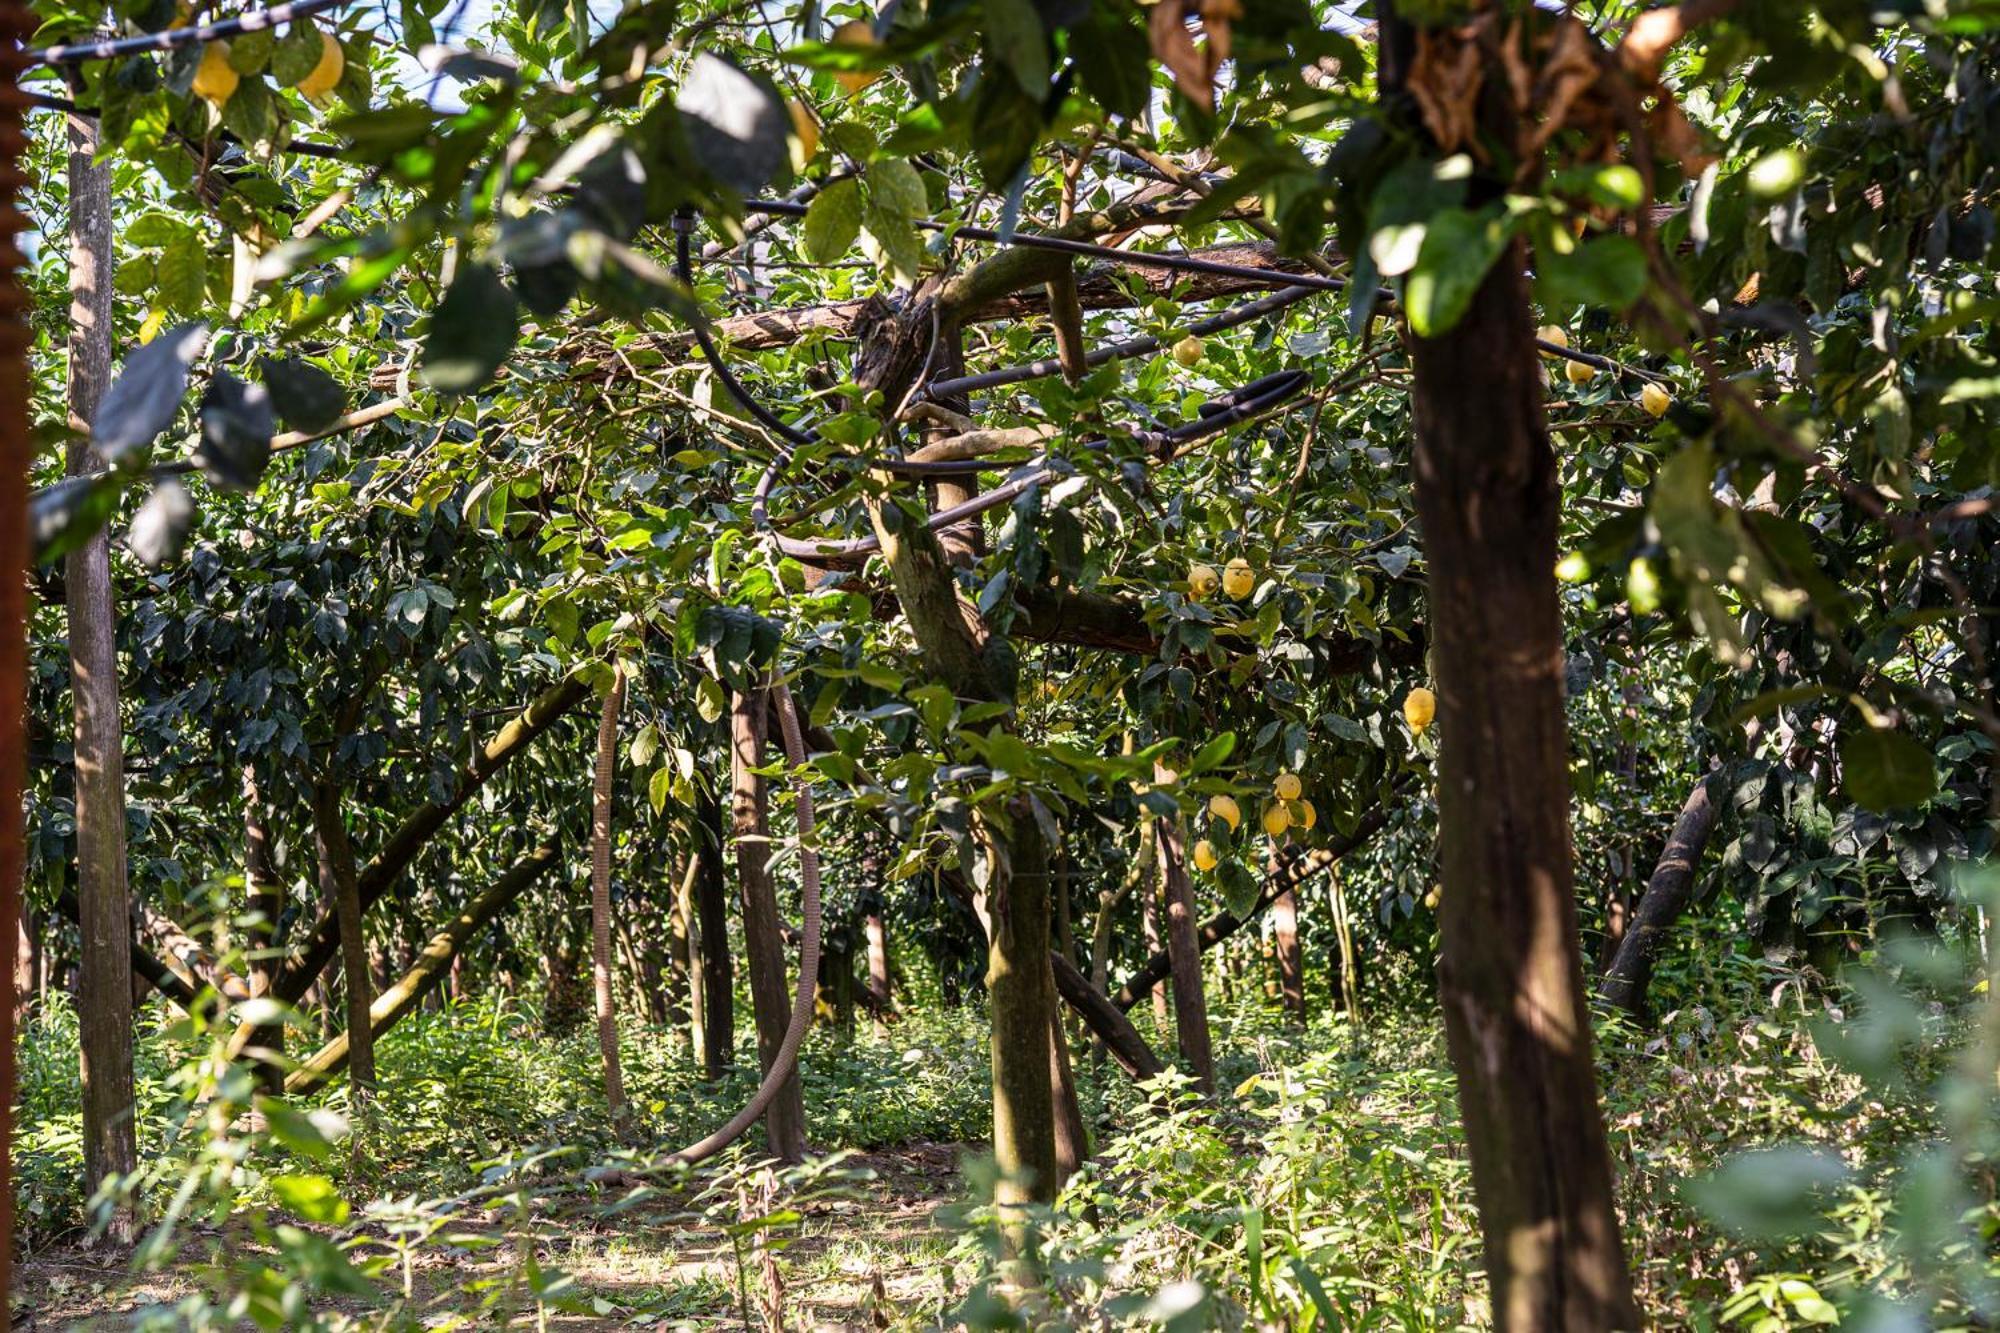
{"type": "Point", "coordinates": [990, 455]}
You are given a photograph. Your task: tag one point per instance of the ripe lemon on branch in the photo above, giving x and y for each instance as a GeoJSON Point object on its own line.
{"type": "Point", "coordinates": [1189, 351]}
{"type": "Point", "coordinates": [1655, 400]}
{"type": "Point", "coordinates": [1205, 858]}
{"type": "Point", "coordinates": [1277, 819]}
{"type": "Point", "coordinates": [1287, 786]}
{"type": "Point", "coordinates": [214, 80]}
{"type": "Point", "coordinates": [1225, 809]}
{"type": "Point", "coordinates": [320, 83]}
{"type": "Point", "coordinates": [1420, 708]}
{"type": "Point", "coordinates": [1239, 580]}
{"type": "Point", "coordinates": [1203, 580]}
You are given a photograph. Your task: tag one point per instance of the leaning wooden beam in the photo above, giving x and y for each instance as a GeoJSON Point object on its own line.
{"type": "Point", "coordinates": [323, 939]}
{"type": "Point", "coordinates": [432, 963]}
{"type": "Point", "coordinates": [1298, 866]}
{"type": "Point", "coordinates": [1106, 1021]}
{"type": "Point", "coordinates": [1665, 898]}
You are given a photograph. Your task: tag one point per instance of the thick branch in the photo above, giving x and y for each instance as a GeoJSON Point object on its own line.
{"type": "Point", "coordinates": [431, 965]}
{"type": "Point", "coordinates": [418, 829]}
{"type": "Point", "coordinates": [1666, 897]}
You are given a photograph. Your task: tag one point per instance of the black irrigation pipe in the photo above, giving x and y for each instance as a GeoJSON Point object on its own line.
{"type": "Point", "coordinates": [110, 48]}
{"type": "Point", "coordinates": [304, 148]}
{"type": "Point", "coordinates": [1034, 370]}
{"type": "Point", "coordinates": [1180, 263]}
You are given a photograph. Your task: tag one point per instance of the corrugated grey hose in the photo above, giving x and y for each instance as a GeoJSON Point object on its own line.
{"type": "Point", "coordinates": [802, 1003]}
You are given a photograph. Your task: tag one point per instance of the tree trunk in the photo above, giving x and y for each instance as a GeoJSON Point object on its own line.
{"type": "Point", "coordinates": [1149, 933]}
{"type": "Point", "coordinates": [718, 969]}
{"type": "Point", "coordinates": [763, 938]}
{"type": "Point", "coordinates": [267, 906]}
{"type": "Point", "coordinates": [23, 969]}
{"type": "Point", "coordinates": [1510, 977]}
{"type": "Point", "coordinates": [338, 881]}
{"type": "Point", "coordinates": [1291, 964]}
{"type": "Point", "coordinates": [1666, 897]}
{"type": "Point", "coordinates": [1184, 954]}
{"type": "Point", "coordinates": [677, 986]}
{"type": "Point", "coordinates": [1072, 1138]}
{"type": "Point", "coordinates": [600, 900]}
{"type": "Point", "coordinates": [878, 967]}
{"type": "Point", "coordinates": [1023, 1015]}
{"type": "Point", "coordinates": [104, 1004]}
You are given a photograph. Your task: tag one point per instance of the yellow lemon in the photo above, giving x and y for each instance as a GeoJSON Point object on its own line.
{"type": "Point", "coordinates": [1307, 815]}
{"type": "Point", "coordinates": [1551, 333]}
{"type": "Point", "coordinates": [1188, 351]}
{"type": "Point", "coordinates": [1434, 897]}
{"type": "Point", "coordinates": [1579, 373]}
{"type": "Point", "coordinates": [1420, 708]}
{"type": "Point", "coordinates": [1205, 858]}
{"type": "Point", "coordinates": [1238, 579]}
{"type": "Point", "coordinates": [332, 64]}
{"type": "Point", "coordinates": [1573, 568]}
{"type": "Point", "coordinates": [214, 81]}
{"type": "Point", "coordinates": [857, 33]}
{"type": "Point", "coordinates": [1203, 581]}
{"type": "Point", "coordinates": [1287, 786]}
{"type": "Point", "coordinates": [1276, 820]}
{"type": "Point", "coordinates": [1225, 809]}
{"type": "Point", "coordinates": [1655, 400]}
{"type": "Point", "coordinates": [805, 133]}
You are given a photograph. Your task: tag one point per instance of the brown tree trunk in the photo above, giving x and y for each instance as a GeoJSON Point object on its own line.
{"type": "Point", "coordinates": [1184, 952]}
{"type": "Point", "coordinates": [1022, 1001]}
{"type": "Point", "coordinates": [1149, 934]}
{"type": "Point", "coordinates": [1072, 1139]}
{"type": "Point", "coordinates": [1666, 897]}
{"type": "Point", "coordinates": [763, 938]}
{"type": "Point", "coordinates": [677, 986]}
{"type": "Point", "coordinates": [1291, 964]}
{"type": "Point", "coordinates": [104, 1004]}
{"type": "Point", "coordinates": [600, 900]}
{"type": "Point", "coordinates": [23, 969]}
{"type": "Point", "coordinates": [267, 905]}
{"type": "Point", "coordinates": [338, 881]}
{"type": "Point", "coordinates": [1511, 973]}
{"type": "Point", "coordinates": [878, 968]}
{"type": "Point", "coordinates": [718, 968]}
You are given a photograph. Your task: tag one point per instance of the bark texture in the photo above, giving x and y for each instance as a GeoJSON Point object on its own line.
{"type": "Point", "coordinates": [1511, 972]}
{"type": "Point", "coordinates": [104, 999]}
{"type": "Point", "coordinates": [1184, 955]}
{"type": "Point", "coordinates": [600, 899]}
{"type": "Point", "coordinates": [718, 969]}
{"type": "Point", "coordinates": [1667, 893]}
{"type": "Point", "coordinates": [267, 907]}
{"type": "Point", "coordinates": [339, 882]}
{"type": "Point", "coordinates": [1291, 963]}
{"type": "Point", "coordinates": [763, 937]}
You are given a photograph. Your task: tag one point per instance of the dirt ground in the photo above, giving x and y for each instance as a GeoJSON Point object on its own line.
{"type": "Point", "coordinates": [868, 1254]}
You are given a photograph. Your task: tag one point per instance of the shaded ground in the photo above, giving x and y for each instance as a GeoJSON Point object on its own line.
{"type": "Point", "coordinates": [866, 1255]}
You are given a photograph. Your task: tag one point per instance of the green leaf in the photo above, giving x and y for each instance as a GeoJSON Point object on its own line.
{"type": "Point", "coordinates": [1006, 125]}
{"type": "Point", "coordinates": [1015, 36]}
{"type": "Point", "coordinates": [142, 401]}
{"type": "Point", "coordinates": [1605, 271]}
{"type": "Point", "coordinates": [1114, 61]}
{"type": "Point", "coordinates": [313, 1198]}
{"type": "Point", "coordinates": [182, 274]}
{"type": "Point", "coordinates": [1459, 249]}
{"type": "Point", "coordinates": [297, 54]}
{"type": "Point", "coordinates": [472, 331]}
{"type": "Point", "coordinates": [236, 426]}
{"type": "Point", "coordinates": [1886, 770]}
{"type": "Point", "coordinates": [307, 398]}
{"type": "Point", "coordinates": [833, 221]}
{"type": "Point", "coordinates": [736, 123]}
{"type": "Point", "coordinates": [160, 528]}
{"type": "Point", "coordinates": [1614, 186]}
{"type": "Point", "coordinates": [895, 185]}
{"type": "Point", "coordinates": [896, 238]}
{"type": "Point", "coordinates": [1770, 1192]}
